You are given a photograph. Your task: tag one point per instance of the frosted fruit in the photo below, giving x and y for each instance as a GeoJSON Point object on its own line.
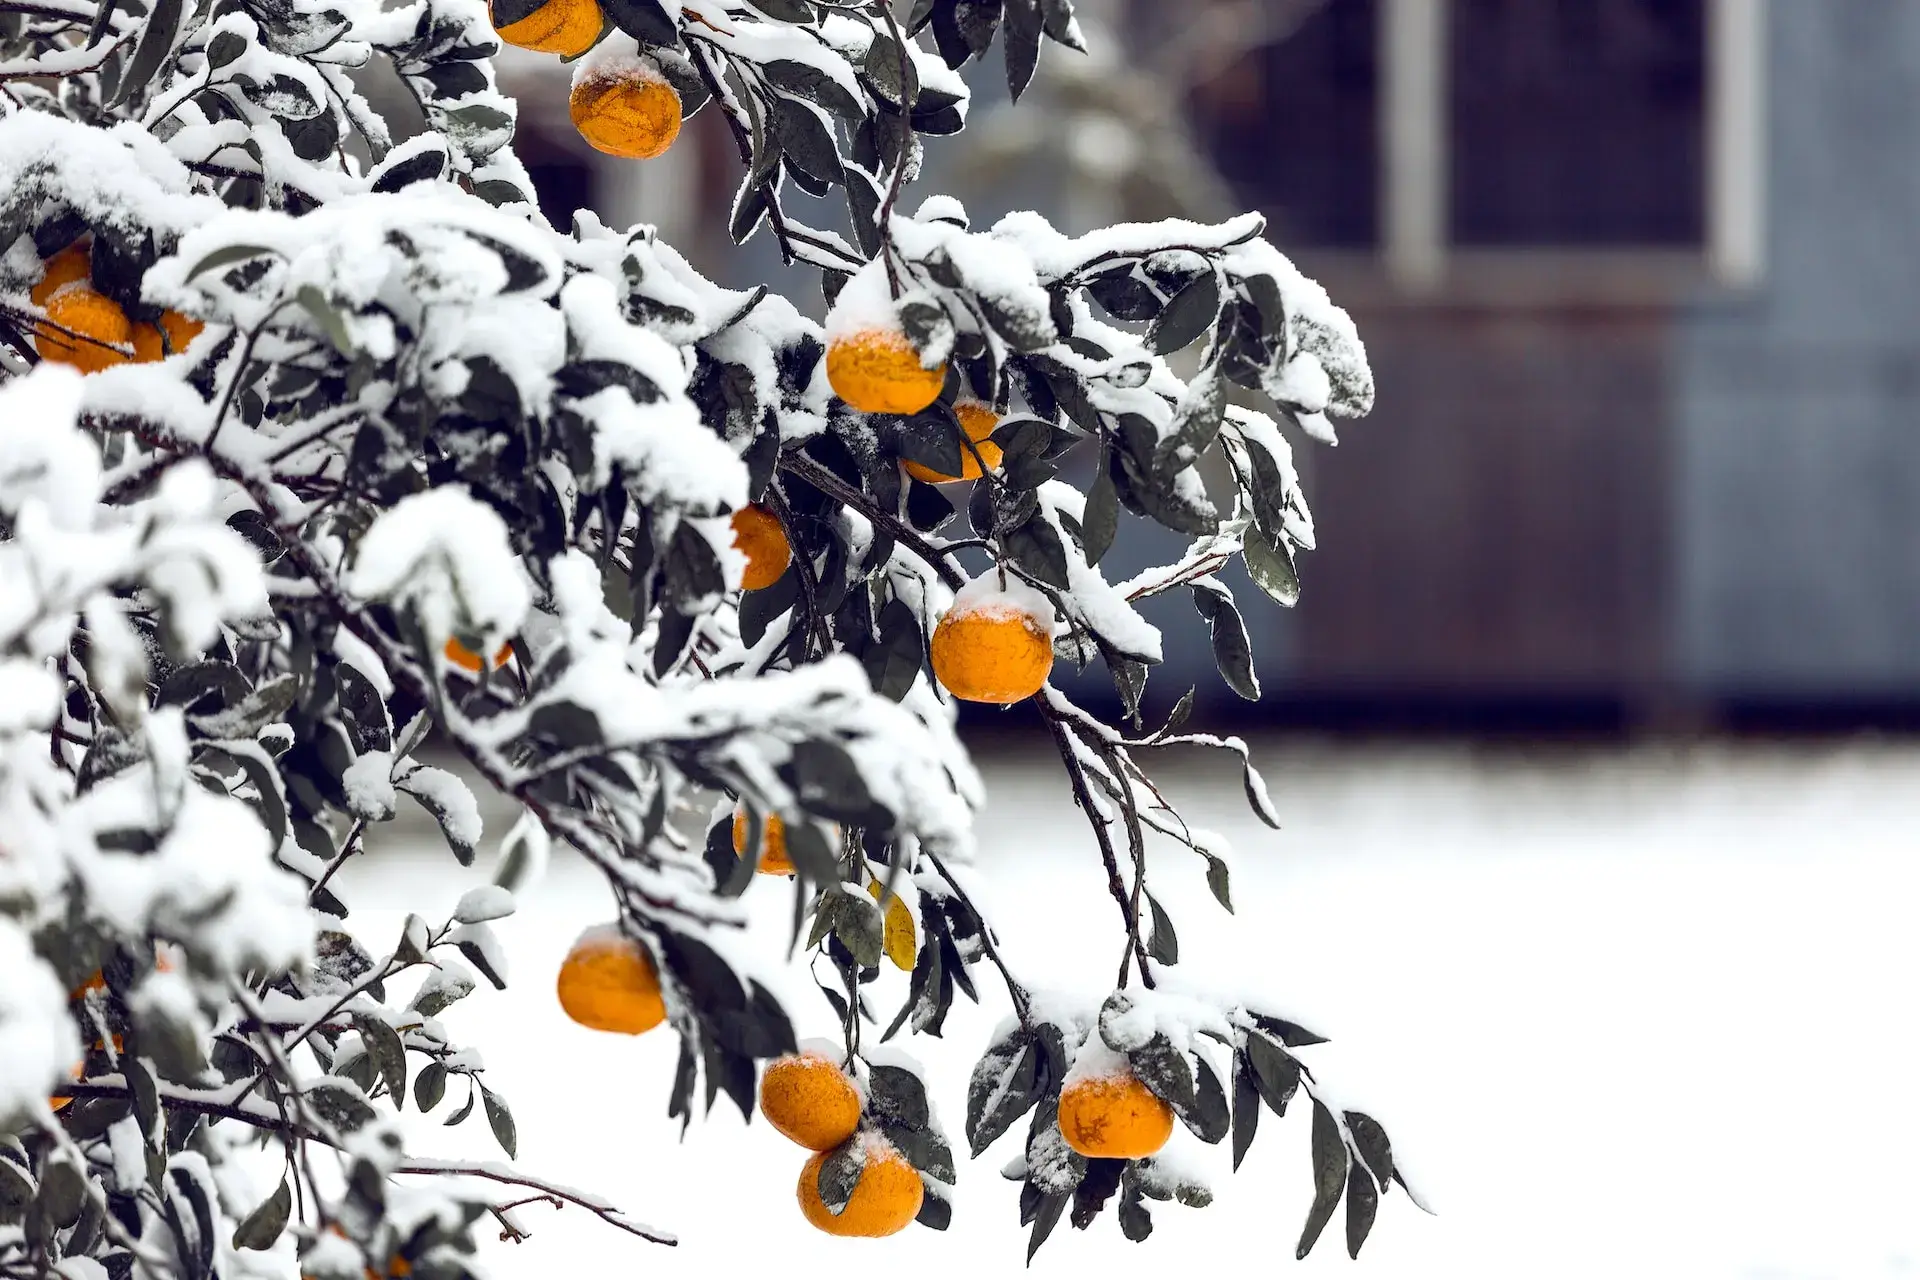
{"type": "Point", "coordinates": [69, 266]}
{"type": "Point", "coordinates": [633, 116]}
{"type": "Point", "coordinates": [1116, 1117]}
{"type": "Point", "coordinates": [878, 371]}
{"type": "Point", "coordinates": [978, 421]}
{"type": "Point", "coordinates": [565, 27]}
{"type": "Point", "coordinates": [991, 649]}
{"type": "Point", "coordinates": [884, 1201]}
{"type": "Point", "coordinates": [608, 983]}
{"type": "Point", "coordinates": [758, 536]}
{"type": "Point", "coordinates": [809, 1099]}
{"type": "Point", "coordinates": [79, 309]}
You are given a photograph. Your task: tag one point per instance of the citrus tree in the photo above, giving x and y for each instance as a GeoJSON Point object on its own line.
{"type": "Point", "coordinates": [318, 447]}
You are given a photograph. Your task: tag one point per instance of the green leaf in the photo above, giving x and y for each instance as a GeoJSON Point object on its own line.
{"type": "Point", "coordinates": [1329, 1177]}
{"type": "Point", "coordinates": [1217, 881]}
{"type": "Point", "coordinates": [1232, 650]}
{"type": "Point", "coordinates": [263, 1226]}
{"type": "Point", "coordinates": [1271, 567]}
{"type": "Point", "coordinates": [1003, 1088]}
{"type": "Point", "coordinates": [324, 315]}
{"type": "Point", "coordinates": [645, 20]}
{"type": "Point", "coordinates": [430, 1086]}
{"type": "Point", "coordinates": [1163, 945]}
{"type": "Point", "coordinates": [227, 255]}
{"type": "Point", "coordinates": [806, 140]}
{"type": "Point", "coordinates": [1363, 1201]}
{"type": "Point", "coordinates": [388, 1054]}
{"type": "Point", "coordinates": [892, 73]}
{"type": "Point", "coordinates": [1370, 1137]}
{"type": "Point", "coordinates": [16, 1191]}
{"type": "Point", "coordinates": [1037, 547]}
{"type": "Point", "coordinates": [827, 782]}
{"type": "Point", "coordinates": [465, 1110]}
{"type": "Point", "coordinates": [500, 1120]}
{"type": "Point", "coordinates": [893, 661]}
{"type": "Point", "coordinates": [337, 1102]}
{"type": "Point", "coordinates": [1044, 1220]}
{"type": "Point", "coordinates": [808, 81]}
{"type": "Point", "coordinates": [156, 42]}
{"type": "Point", "coordinates": [1100, 521]}
{"type": "Point", "coordinates": [899, 1095]}
{"type": "Point", "coordinates": [1274, 1070]}
{"type": "Point", "coordinates": [1023, 29]}
{"type": "Point", "coordinates": [1246, 1108]}
{"type": "Point", "coordinates": [62, 1193]}
{"type": "Point", "coordinates": [840, 1174]}
{"type": "Point", "coordinates": [1189, 315]}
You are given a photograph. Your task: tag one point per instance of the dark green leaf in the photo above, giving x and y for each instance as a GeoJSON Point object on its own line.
{"type": "Point", "coordinates": [1022, 51]}
{"type": "Point", "coordinates": [1189, 315]}
{"type": "Point", "coordinates": [1164, 944]}
{"type": "Point", "coordinates": [500, 1120]}
{"type": "Point", "coordinates": [1329, 1176]}
{"type": "Point", "coordinates": [1037, 547]}
{"type": "Point", "coordinates": [430, 1086]}
{"type": "Point", "coordinates": [62, 1193]}
{"type": "Point", "coordinates": [893, 661]}
{"type": "Point", "coordinates": [1363, 1200]}
{"type": "Point", "coordinates": [1101, 518]}
{"type": "Point", "coordinates": [388, 1054]}
{"type": "Point", "coordinates": [840, 1174]}
{"type": "Point", "coordinates": [263, 1226]}
{"type": "Point", "coordinates": [156, 42]}
{"type": "Point", "coordinates": [891, 71]}
{"type": "Point", "coordinates": [1045, 1218]}
{"type": "Point", "coordinates": [1232, 650]}
{"type": "Point", "coordinates": [1246, 1108]}
{"type": "Point", "coordinates": [1274, 1070]}
{"type": "Point", "coordinates": [1271, 567]}
{"type": "Point", "coordinates": [1371, 1138]}
{"type": "Point", "coordinates": [1002, 1089]}
{"type": "Point", "coordinates": [806, 140]}
{"type": "Point", "coordinates": [809, 81]}
{"type": "Point", "coordinates": [898, 1094]}
{"type": "Point", "coordinates": [645, 20]}
{"type": "Point", "coordinates": [340, 1104]}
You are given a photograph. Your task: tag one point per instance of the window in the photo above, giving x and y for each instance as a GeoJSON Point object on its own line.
{"type": "Point", "coordinates": [1433, 130]}
{"type": "Point", "coordinates": [1293, 127]}
{"type": "Point", "coordinates": [1577, 122]}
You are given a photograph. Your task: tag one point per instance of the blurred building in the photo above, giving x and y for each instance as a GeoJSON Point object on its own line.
{"type": "Point", "coordinates": [1639, 280]}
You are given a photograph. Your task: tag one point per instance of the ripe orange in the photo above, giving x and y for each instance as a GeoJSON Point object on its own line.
{"type": "Point", "coordinates": [773, 843]}
{"type": "Point", "coordinates": [566, 27]}
{"type": "Point", "coordinates": [1114, 1116]}
{"type": "Point", "coordinates": [884, 1201]}
{"type": "Point", "coordinates": [807, 1097]}
{"type": "Point", "coordinates": [469, 661]}
{"type": "Point", "coordinates": [71, 265]}
{"type": "Point", "coordinates": [625, 111]}
{"type": "Point", "coordinates": [978, 421]}
{"type": "Point", "coordinates": [609, 984]}
{"type": "Point", "coordinates": [878, 371]}
{"type": "Point", "coordinates": [758, 536]}
{"type": "Point", "coordinates": [76, 308]}
{"type": "Point", "coordinates": [992, 649]}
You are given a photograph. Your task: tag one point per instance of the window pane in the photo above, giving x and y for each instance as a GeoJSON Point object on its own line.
{"type": "Point", "coordinates": [1292, 127]}
{"type": "Point", "coordinates": [1578, 122]}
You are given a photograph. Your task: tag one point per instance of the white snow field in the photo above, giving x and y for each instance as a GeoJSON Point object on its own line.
{"type": "Point", "coordinates": [1625, 1015]}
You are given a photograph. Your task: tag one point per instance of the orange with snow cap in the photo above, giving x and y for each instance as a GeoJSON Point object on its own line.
{"type": "Point", "coordinates": [996, 643]}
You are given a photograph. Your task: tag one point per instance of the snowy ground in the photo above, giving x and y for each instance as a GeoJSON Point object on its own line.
{"type": "Point", "coordinates": [1644, 1015]}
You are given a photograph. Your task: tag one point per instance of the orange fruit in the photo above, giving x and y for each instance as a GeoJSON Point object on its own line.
{"type": "Point", "coordinates": [878, 371]}
{"type": "Point", "coordinates": [69, 266]}
{"type": "Point", "coordinates": [978, 421]}
{"type": "Point", "coordinates": [987, 649]}
{"type": "Point", "coordinates": [885, 1199]}
{"type": "Point", "coordinates": [627, 112]}
{"type": "Point", "coordinates": [808, 1098]}
{"type": "Point", "coordinates": [469, 661]}
{"type": "Point", "coordinates": [758, 536]}
{"type": "Point", "coordinates": [78, 309]}
{"type": "Point", "coordinates": [1117, 1117]}
{"type": "Point", "coordinates": [773, 843]}
{"type": "Point", "coordinates": [609, 984]}
{"type": "Point", "coordinates": [566, 27]}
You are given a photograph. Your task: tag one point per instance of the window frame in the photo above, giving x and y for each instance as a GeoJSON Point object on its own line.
{"type": "Point", "coordinates": [1415, 250]}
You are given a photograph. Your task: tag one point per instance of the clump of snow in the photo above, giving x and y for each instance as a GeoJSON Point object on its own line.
{"type": "Point", "coordinates": [368, 783]}
{"type": "Point", "coordinates": [987, 597]}
{"type": "Point", "coordinates": [446, 554]}
{"type": "Point", "coordinates": [451, 800]}
{"type": "Point", "coordinates": [37, 1040]}
{"type": "Point", "coordinates": [1097, 1060]}
{"type": "Point", "coordinates": [865, 305]}
{"type": "Point", "coordinates": [487, 902]}
{"type": "Point", "coordinates": [616, 60]}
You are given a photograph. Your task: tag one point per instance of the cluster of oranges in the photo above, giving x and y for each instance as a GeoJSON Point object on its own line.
{"type": "Point", "coordinates": [810, 1099]}
{"type": "Point", "coordinates": [90, 331]}
{"type": "Point", "coordinates": [621, 106]}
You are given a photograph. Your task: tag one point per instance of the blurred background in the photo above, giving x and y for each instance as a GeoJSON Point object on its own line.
{"type": "Point", "coordinates": [1590, 733]}
{"type": "Point", "coordinates": [1638, 283]}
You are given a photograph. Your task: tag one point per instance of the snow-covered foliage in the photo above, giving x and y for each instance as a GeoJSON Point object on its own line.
{"type": "Point", "coordinates": [369, 456]}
